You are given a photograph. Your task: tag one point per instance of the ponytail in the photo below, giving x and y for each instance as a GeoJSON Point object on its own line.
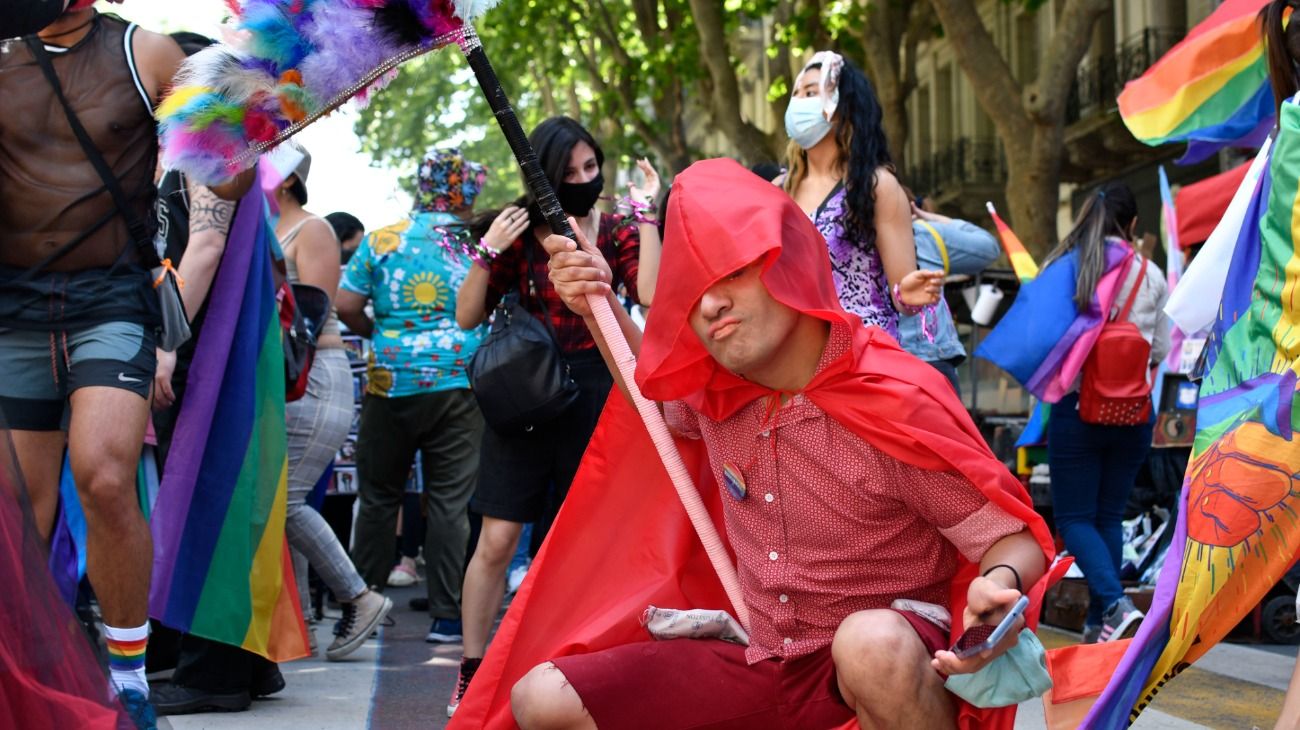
{"type": "Point", "coordinates": [1282, 41]}
{"type": "Point", "coordinates": [1108, 212]}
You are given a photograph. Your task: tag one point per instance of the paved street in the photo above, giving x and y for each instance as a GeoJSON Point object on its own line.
{"type": "Point", "coordinates": [398, 682]}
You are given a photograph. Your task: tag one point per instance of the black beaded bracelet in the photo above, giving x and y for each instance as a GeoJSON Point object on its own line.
{"type": "Point", "coordinates": [1019, 586]}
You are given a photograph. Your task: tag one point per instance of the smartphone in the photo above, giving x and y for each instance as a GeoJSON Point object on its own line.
{"type": "Point", "coordinates": [982, 638]}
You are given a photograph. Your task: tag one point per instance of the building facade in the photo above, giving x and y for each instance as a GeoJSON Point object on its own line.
{"type": "Point", "coordinates": [954, 154]}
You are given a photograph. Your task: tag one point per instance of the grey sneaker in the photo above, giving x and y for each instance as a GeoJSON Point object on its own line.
{"type": "Point", "coordinates": [360, 617]}
{"type": "Point", "coordinates": [1091, 634]}
{"type": "Point", "coordinates": [1120, 621]}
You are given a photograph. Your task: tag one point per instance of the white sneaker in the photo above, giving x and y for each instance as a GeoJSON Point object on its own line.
{"type": "Point", "coordinates": [516, 578]}
{"type": "Point", "coordinates": [360, 617]}
{"type": "Point", "coordinates": [403, 574]}
{"type": "Point", "coordinates": [1121, 621]}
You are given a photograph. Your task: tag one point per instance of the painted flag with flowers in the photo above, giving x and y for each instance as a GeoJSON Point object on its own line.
{"type": "Point", "coordinates": [1238, 529]}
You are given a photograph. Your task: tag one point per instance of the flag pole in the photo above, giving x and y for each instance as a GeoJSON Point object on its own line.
{"type": "Point", "coordinates": [538, 184]}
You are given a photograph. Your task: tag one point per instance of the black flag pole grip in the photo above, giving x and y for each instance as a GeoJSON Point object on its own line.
{"type": "Point", "coordinates": [534, 177]}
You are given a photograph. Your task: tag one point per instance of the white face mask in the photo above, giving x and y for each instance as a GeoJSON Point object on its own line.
{"type": "Point", "coordinates": [804, 121]}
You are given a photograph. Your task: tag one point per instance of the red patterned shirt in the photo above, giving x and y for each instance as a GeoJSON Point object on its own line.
{"type": "Point", "coordinates": [824, 524]}
{"type": "Point", "coordinates": [620, 242]}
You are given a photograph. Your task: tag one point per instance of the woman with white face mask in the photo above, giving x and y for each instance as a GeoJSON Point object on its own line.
{"type": "Point", "coordinates": [840, 174]}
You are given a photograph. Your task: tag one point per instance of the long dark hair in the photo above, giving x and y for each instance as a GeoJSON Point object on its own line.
{"type": "Point", "coordinates": [860, 138]}
{"type": "Point", "coordinates": [553, 140]}
{"type": "Point", "coordinates": [1108, 212]}
{"type": "Point", "coordinates": [1283, 46]}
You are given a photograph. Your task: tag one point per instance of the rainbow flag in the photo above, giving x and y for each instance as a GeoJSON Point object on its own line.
{"type": "Point", "coordinates": [221, 564]}
{"type": "Point", "coordinates": [1021, 262]}
{"type": "Point", "coordinates": [1238, 527]}
{"type": "Point", "coordinates": [1211, 88]}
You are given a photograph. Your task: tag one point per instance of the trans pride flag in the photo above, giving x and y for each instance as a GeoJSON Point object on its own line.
{"type": "Point", "coordinates": [1238, 530]}
{"type": "Point", "coordinates": [1211, 90]}
{"type": "Point", "coordinates": [221, 564]}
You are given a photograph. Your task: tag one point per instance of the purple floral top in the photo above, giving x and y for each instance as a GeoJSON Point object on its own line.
{"type": "Point", "coordinates": [859, 275]}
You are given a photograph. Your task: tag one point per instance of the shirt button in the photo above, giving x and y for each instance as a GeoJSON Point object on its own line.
{"type": "Point", "coordinates": [788, 641]}
{"type": "Point", "coordinates": [772, 555]}
{"type": "Point", "coordinates": [768, 497]}
{"type": "Point", "coordinates": [765, 433]}
{"type": "Point", "coordinates": [783, 598]}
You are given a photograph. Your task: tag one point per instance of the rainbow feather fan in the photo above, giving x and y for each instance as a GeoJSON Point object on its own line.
{"type": "Point", "coordinates": [286, 64]}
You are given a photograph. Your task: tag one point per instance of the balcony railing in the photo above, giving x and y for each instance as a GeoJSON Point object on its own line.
{"type": "Point", "coordinates": [1099, 81]}
{"type": "Point", "coordinates": [964, 162]}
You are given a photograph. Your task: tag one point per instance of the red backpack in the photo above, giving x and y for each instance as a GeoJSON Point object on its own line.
{"type": "Point", "coordinates": [1116, 389]}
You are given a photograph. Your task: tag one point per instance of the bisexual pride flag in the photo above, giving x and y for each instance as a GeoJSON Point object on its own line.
{"type": "Point", "coordinates": [221, 565]}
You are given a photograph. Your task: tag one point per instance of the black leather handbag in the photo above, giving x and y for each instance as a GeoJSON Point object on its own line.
{"type": "Point", "coordinates": [304, 310]}
{"type": "Point", "coordinates": [518, 374]}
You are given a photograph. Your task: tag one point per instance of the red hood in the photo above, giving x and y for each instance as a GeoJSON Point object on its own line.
{"type": "Point", "coordinates": [722, 217]}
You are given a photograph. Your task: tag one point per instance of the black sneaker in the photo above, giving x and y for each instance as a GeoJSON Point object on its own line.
{"type": "Point", "coordinates": [175, 699]}
{"type": "Point", "coordinates": [266, 681]}
{"type": "Point", "coordinates": [467, 669]}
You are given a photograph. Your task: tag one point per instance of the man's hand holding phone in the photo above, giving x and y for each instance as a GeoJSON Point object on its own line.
{"type": "Point", "coordinates": [994, 612]}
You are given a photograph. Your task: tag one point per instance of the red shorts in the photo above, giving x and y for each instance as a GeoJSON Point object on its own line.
{"type": "Point", "coordinates": [691, 683]}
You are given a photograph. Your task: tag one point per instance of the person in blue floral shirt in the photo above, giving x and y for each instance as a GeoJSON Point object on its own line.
{"type": "Point", "coordinates": [417, 392]}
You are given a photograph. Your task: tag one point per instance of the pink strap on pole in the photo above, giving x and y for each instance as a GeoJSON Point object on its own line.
{"type": "Point", "coordinates": [663, 441]}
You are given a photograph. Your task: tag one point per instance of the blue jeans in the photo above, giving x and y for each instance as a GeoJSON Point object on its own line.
{"type": "Point", "coordinates": [1093, 468]}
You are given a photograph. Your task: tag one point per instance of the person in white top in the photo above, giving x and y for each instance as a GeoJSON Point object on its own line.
{"type": "Point", "coordinates": [1093, 466]}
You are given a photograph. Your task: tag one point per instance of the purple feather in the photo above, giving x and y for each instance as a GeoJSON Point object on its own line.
{"type": "Point", "coordinates": [346, 48]}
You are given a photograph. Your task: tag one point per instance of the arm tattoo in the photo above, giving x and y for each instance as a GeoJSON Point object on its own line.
{"type": "Point", "coordinates": [208, 212]}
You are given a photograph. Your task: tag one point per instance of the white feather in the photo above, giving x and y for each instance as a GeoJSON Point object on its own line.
{"type": "Point", "coordinates": [468, 10]}
{"type": "Point", "coordinates": [219, 68]}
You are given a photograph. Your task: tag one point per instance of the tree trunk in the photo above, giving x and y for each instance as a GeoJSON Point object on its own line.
{"type": "Point", "coordinates": [1033, 182]}
{"type": "Point", "coordinates": [548, 92]}
{"type": "Point", "coordinates": [894, 118]}
{"type": "Point", "coordinates": [892, 31]}
{"type": "Point", "coordinates": [1030, 120]}
{"type": "Point", "coordinates": [752, 144]}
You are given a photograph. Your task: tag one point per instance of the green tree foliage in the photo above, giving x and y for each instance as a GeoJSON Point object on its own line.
{"type": "Point", "coordinates": [638, 73]}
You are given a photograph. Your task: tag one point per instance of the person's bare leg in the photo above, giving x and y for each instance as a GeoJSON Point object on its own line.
{"type": "Point", "coordinates": [40, 456]}
{"type": "Point", "coordinates": [485, 582]}
{"type": "Point", "coordinates": [104, 440]}
{"type": "Point", "coordinates": [1290, 717]}
{"type": "Point", "coordinates": [884, 674]}
{"type": "Point", "coordinates": [544, 700]}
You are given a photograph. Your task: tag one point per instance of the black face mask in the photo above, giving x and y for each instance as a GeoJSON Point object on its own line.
{"type": "Point", "coordinates": [577, 199]}
{"type": "Point", "coordinates": [24, 17]}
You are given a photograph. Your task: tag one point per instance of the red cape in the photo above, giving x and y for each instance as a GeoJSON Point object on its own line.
{"type": "Point", "coordinates": [622, 540]}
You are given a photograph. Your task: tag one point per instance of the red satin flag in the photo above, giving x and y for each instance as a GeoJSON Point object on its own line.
{"type": "Point", "coordinates": [622, 541]}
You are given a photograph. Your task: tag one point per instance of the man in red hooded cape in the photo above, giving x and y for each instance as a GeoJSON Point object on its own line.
{"type": "Point", "coordinates": [859, 499]}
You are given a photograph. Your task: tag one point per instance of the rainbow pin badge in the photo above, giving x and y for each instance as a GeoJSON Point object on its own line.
{"type": "Point", "coordinates": [734, 481]}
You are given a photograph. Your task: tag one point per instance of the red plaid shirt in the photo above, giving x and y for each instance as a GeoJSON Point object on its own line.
{"type": "Point", "coordinates": [824, 524]}
{"type": "Point", "coordinates": [618, 240]}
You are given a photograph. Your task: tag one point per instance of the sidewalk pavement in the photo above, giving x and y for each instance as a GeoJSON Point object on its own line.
{"type": "Point", "coordinates": [398, 682]}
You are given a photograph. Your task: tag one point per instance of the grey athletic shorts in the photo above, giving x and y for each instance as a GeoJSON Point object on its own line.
{"type": "Point", "coordinates": [41, 369]}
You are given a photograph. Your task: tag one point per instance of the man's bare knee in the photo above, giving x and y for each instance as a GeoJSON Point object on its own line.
{"type": "Point", "coordinates": [868, 638]}
{"type": "Point", "coordinates": [544, 700]}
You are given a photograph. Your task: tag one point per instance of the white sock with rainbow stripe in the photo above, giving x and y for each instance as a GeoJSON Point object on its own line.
{"type": "Point", "coordinates": [126, 657]}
